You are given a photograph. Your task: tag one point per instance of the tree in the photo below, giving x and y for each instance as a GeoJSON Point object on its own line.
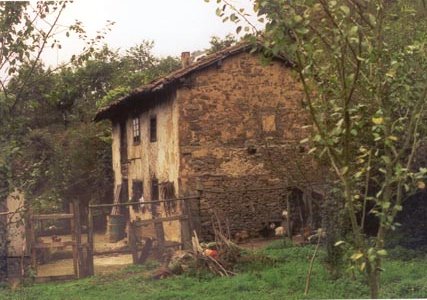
{"type": "Point", "coordinates": [217, 44]}
{"type": "Point", "coordinates": [25, 33]}
{"type": "Point", "coordinates": [361, 66]}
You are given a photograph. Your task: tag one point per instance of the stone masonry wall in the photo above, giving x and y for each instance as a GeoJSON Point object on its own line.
{"type": "Point", "coordinates": [240, 124]}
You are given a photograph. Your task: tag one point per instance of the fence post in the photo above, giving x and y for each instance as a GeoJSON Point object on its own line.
{"type": "Point", "coordinates": [78, 232]}
{"type": "Point", "coordinates": [186, 226]}
{"type": "Point", "coordinates": [288, 219]}
{"type": "Point", "coordinates": [160, 235]}
{"type": "Point", "coordinates": [90, 265]}
{"type": "Point", "coordinates": [132, 243]}
{"type": "Point", "coordinates": [33, 240]}
{"type": "Point", "coordinates": [73, 239]}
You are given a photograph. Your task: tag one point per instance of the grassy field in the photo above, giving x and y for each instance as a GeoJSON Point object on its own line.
{"type": "Point", "coordinates": [405, 276]}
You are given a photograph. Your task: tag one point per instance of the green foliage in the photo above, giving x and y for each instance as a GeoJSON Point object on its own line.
{"type": "Point", "coordinates": [67, 155]}
{"type": "Point", "coordinates": [217, 44]}
{"type": "Point", "coordinates": [361, 66]}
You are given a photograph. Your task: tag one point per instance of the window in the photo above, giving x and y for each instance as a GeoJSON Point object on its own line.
{"type": "Point", "coordinates": [153, 129]}
{"type": "Point", "coordinates": [137, 192]}
{"type": "Point", "coordinates": [136, 130]}
{"type": "Point", "coordinates": [123, 143]}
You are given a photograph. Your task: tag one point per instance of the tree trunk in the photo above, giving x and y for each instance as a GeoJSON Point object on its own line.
{"type": "Point", "coordinates": [374, 283]}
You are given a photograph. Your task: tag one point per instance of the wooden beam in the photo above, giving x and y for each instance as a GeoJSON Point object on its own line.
{"type": "Point", "coordinates": [53, 245]}
{"type": "Point", "coordinates": [160, 220]}
{"type": "Point", "coordinates": [52, 217]}
{"type": "Point", "coordinates": [186, 227]}
{"type": "Point", "coordinates": [144, 202]}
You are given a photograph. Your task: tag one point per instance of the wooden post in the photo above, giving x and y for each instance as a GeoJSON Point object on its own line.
{"type": "Point", "coordinates": [90, 265]}
{"type": "Point", "coordinates": [195, 221]}
{"type": "Point", "coordinates": [288, 219]}
{"type": "Point", "coordinates": [73, 239]}
{"type": "Point", "coordinates": [78, 233]}
{"type": "Point", "coordinates": [33, 241]}
{"type": "Point", "coordinates": [132, 243]}
{"type": "Point", "coordinates": [160, 236]}
{"type": "Point", "coordinates": [186, 227]}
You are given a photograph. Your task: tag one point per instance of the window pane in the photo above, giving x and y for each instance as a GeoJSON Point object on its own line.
{"type": "Point", "coordinates": [153, 129]}
{"type": "Point", "coordinates": [136, 130]}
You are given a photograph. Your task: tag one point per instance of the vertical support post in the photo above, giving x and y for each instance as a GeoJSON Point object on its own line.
{"type": "Point", "coordinates": [73, 239]}
{"type": "Point", "coordinates": [288, 219]}
{"type": "Point", "coordinates": [186, 226]}
{"type": "Point", "coordinates": [33, 241]}
{"type": "Point", "coordinates": [132, 243]}
{"type": "Point", "coordinates": [90, 266]}
{"type": "Point", "coordinates": [160, 233]}
{"type": "Point", "coordinates": [196, 222]}
{"type": "Point", "coordinates": [78, 234]}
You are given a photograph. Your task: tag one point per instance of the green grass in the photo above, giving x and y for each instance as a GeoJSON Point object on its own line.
{"type": "Point", "coordinates": [275, 273]}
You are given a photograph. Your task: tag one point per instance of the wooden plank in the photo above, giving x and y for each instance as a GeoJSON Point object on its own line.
{"type": "Point", "coordinates": [132, 243]}
{"type": "Point", "coordinates": [160, 236]}
{"type": "Point", "coordinates": [167, 244]}
{"type": "Point", "coordinates": [53, 217]}
{"type": "Point", "coordinates": [53, 245]}
{"type": "Point", "coordinates": [73, 238]}
{"type": "Point", "coordinates": [78, 238]}
{"type": "Point", "coordinates": [160, 220]}
{"type": "Point", "coordinates": [90, 235]}
{"type": "Point", "coordinates": [33, 241]}
{"type": "Point", "coordinates": [186, 228]}
{"type": "Point", "coordinates": [144, 202]}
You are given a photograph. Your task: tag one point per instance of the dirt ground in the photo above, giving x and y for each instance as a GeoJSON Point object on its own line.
{"type": "Point", "coordinates": [103, 264]}
{"type": "Point", "coordinates": [101, 242]}
{"type": "Point", "coordinates": [108, 263]}
{"type": "Point", "coordinates": [61, 262]}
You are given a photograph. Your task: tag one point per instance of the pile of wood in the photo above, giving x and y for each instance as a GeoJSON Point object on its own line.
{"type": "Point", "coordinates": [218, 257]}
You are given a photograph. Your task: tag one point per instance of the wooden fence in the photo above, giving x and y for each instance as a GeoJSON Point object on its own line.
{"type": "Point", "coordinates": [184, 217]}
{"type": "Point", "coordinates": [79, 249]}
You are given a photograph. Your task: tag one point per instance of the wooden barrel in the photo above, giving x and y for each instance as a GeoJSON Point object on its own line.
{"type": "Point", "coordinates": [116, 228]}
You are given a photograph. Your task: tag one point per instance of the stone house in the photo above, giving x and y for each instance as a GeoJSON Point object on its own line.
{"type": "Point", "coordinates": [227, 126]}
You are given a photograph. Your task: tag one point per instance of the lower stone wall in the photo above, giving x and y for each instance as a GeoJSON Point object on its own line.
{"type": "Point", "coordinates": [248, 203]}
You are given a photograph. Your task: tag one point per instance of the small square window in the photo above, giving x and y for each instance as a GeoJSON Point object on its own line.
{"type": "Point", "coordinates": [153, 129]}
{"type": "Point", "coordinates": [136, 129]}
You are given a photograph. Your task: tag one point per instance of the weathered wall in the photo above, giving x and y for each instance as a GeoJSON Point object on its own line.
{"type": "Point", "coordinates": [147, 160]}
{"type": "Point", "coordinates": [240, 127]}
{"type": "Point", "coordinates": [233, 126]}
{"type": "Point", "coordinates": [16, 225]}
{"type": "Point", "coordinates": [158, 159]}
{"type": "Point", "coordinates": [116, 153]}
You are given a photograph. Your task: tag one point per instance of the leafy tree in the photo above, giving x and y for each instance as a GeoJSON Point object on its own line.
{"type": "Point", "coordinates": [361, 66]}
{"type": "Point", "coordinates": [217, 44]}
{"type": "Point", "coordinates": [25, 33]}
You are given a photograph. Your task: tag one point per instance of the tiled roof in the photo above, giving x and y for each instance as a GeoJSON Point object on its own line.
{"type": "Point", "coordinates": [160, 83]}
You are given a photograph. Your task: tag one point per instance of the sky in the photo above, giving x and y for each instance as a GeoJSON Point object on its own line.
{"type": "Point", "coordinates": [174, 25]}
